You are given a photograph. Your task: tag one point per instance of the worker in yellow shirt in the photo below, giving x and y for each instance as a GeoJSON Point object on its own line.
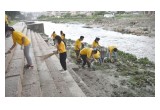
{"type": "Point", "coordinates": [86, 55]}
{"type": "Point", "coordinates": [97, 56]}
{"type": "Point", "coordinates": [53, 36]}
{"type": "Point", "coordinates": [6, 26]}
{"type": "Point", "coordinates": [6, 20]}
{"type": "Point", "coordinates": [95, 43]}
{"type": "Point", "coordinates": [61, 49]}
{"type": "Point", "coordinates": [22, 40]}
{"type": "Point", "coordinates": [62, 35]}
{"type": "Point", "coordinates": [77, 46]}
{"type": "Point", "coordinates": [112, 52]}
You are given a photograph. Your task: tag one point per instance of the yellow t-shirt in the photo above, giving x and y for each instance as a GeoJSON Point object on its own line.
{"type": "Point", "coordinates": [97, 55]}
{"type": "Point", "coordinates": [61, 47]}
{"type": "Point", "coordinates": [62, 37]}
{"type": "Point", "coordinates": [53, 35]}
{"type": "Point", "coordinates": [110, 48]}
{"type": "Point", "coordinates": [95, 44]}
{"type": "Point", "coordinates": [17, 38]}
{"type": "Point", "coordinates": [77, 45]}
{"type": "Point", "coordinates": [86, 51]}
{"type": "Point", "coordinates": [6, 19]}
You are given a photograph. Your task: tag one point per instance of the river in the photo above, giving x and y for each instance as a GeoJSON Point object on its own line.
{"type": "Point", "coordinates": [141, 46]}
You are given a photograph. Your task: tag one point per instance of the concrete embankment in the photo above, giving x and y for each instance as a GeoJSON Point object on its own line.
{"type": "Point", "coordinates": [45, 79]}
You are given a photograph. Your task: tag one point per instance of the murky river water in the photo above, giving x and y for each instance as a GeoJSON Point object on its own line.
{"type": "Point", "coordinates": [141, 46]}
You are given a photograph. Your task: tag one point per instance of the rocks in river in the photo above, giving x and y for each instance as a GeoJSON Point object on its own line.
{"type": "Point", "coordinates": [87, 26]}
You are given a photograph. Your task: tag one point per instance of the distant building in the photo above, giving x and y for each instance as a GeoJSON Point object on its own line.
{"type": "Point", "coordinates": [109, 15]}
{"type": "Point", "coordinates": [87, 13]}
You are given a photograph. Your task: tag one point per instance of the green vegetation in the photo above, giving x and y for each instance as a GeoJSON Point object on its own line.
{"type": "Point", "coordinates": [145, 61]}
{"type": "Point", "coordinates": [97, 16]}
{"type": "Point", "coordinates": [143, 79]}
{"type": "Point", "coordinates": [138, 74]}
{"type": "Point", "coordinates": [65, 20]}
{"type": "Point", "coordinates": [121, 16]}
{"type": "Point", "coordinates": [82, 18]}
{"type": "Point", "coordinates": [12, 14]}
{"type": "Point", "coordinates": [127, 56]}
{"type": "Point", "coordinates": [11, 23]}
{"type": "Point", "coordinates": [98, 13]}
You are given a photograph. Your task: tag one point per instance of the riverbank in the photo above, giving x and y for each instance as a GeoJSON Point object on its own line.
{"type": "Point", "coordinates": [129, 77]}
{"type": "Point", "coordinates": [124, 23]}
{"type": "Point", "coordinates": [133, 24]}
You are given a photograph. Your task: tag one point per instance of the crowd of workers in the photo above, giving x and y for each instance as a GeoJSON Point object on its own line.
{"type": "Point", "coordinates": [87, 54]}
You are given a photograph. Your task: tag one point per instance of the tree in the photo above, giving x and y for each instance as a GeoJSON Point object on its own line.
{"type": "Point", "coordinates": [67, 15]}
{"type": "Point", "coordinates": [42, 17]}
{"type": "Point", "coordinates": [13, 14]}
{"type": "Point", "coordinates": [120, 12]}
{"type": "Point", "coordinates": [99, 12]}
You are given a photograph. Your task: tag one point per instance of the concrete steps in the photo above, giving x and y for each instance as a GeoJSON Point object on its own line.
{"type": "Point", "coordinates": [46, 82]}
{"type": "Point", "coordinates": [71, 67]}
{"type": "Point", "coordinates": [66, 76]}
{"type": "Point", "coordinates": [9, 42]}
{"type": "Point", "coordinates": [31, 82]}
{"type": "Point", "coordinates": [14, 72]}
{"type": "Point", "coordinates": [63, 90]}
{"type": "Point", "coordinates": [45, 79]}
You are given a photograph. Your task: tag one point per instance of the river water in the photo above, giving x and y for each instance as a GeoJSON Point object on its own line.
{"type": "Point", "coordinates": [141, 46]}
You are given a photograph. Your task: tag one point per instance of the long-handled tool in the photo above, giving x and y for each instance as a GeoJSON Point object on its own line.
{"type": "Point", "coordinates": [43, 57]}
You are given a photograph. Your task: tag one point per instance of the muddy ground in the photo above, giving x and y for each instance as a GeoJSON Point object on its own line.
{"type": "Point", "coordinates": [128, 77]}
{"type": "Point", "coordinates": [130, 24]}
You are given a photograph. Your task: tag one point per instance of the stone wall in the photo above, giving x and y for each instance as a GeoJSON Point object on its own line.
{"type": "Point", "coordinates": [36, 27]}
{"type": "Point", "coordinates": [29, 22]}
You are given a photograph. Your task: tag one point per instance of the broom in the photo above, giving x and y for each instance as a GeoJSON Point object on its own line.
{"type": "Point", "coordinates": [43, 57]}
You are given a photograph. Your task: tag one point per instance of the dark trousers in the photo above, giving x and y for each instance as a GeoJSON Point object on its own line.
{"type": "Point", "coordinates": [84, 58]}
{"type": "Point", "coordinates": [6, 30]}
{"type": "Point", "coordinates": [63, 57]}
{"type": "Point", "coordinates": [54, 42]}
{"type": "Point", "coordinates": [77, 53]}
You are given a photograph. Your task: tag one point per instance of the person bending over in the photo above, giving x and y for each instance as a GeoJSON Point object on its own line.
{"type": "Point", "coordinates": [21, 39]}
{"type": "Point", "coordinates": [112, 53]}
{"type": "Point", "coordinates": [86, 55]}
